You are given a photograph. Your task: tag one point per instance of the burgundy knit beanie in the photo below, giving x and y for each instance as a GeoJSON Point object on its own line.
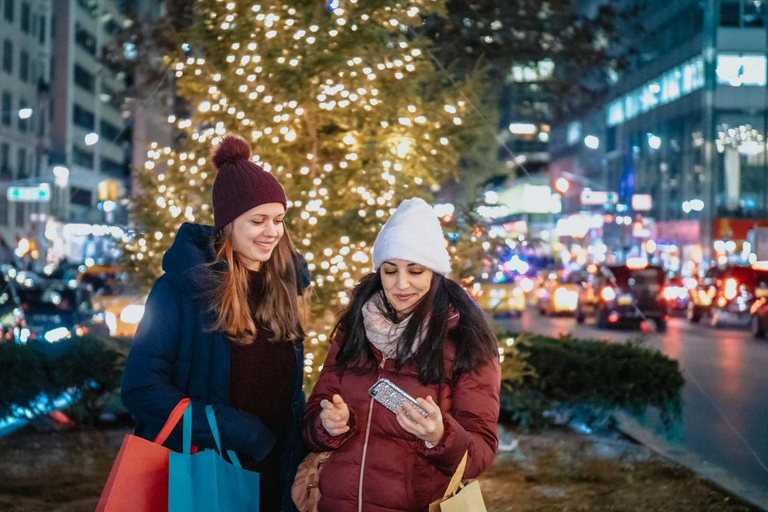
{"type": "Point", "coordinates": [240, 184]}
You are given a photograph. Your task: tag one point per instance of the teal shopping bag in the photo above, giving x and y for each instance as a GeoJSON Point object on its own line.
{"type": "Point", "coordinates": [205, 481]}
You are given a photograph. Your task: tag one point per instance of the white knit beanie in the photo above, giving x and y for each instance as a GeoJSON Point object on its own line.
{"type": "Point", "coordinates": [413, 233]}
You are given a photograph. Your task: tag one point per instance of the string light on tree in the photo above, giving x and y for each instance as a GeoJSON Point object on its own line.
{"type": "Point", "coordinates": [332, 98]}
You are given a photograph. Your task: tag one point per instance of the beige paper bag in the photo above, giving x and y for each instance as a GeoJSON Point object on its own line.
{"type": "Point", "coordinates": [459, 497]}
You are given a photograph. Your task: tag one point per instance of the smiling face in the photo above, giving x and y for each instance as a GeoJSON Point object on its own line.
{"type": "Point", "coordinates": [405, 283]}
{"type": "Point", "coordinates": [256, 232]}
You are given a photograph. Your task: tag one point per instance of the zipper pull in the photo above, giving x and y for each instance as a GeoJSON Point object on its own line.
{"type": "Point", "coordinates": [383, 361]}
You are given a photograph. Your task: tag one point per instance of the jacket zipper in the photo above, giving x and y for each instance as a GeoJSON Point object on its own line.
{"type": "Point", "coordinates": [365, 444]}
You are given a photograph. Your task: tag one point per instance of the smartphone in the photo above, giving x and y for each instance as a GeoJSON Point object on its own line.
{"type": "Point", "coordinates": [391, 396]}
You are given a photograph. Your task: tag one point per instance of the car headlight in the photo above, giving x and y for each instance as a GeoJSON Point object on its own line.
{"type": "Point", "coordinates": [57, 334]}
{"type": "Point", "coordinates": [132, 314]}
{"type": "Point", "coordinates": [566, 299]}
{"type": "Point", "coordinates": [111, 320]}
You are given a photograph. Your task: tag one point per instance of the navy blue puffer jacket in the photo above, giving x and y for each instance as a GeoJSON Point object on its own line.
{"type": "Point", "coordinates": [175, 355]}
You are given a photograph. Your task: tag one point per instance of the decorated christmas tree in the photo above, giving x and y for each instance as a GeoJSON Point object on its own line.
{"type": "Point", "coordinates": [341, 101]}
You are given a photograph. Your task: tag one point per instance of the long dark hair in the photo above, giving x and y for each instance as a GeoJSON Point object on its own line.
{"type": "Point", "coordinates": [472, 335]}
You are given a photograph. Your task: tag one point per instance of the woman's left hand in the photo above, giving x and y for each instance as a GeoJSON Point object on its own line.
{"type": "Point", "coordinates": [429, 429]}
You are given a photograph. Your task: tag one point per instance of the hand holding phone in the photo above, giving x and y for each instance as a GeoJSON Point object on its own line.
{"type": "Point", "coordinates": [392, 397]}
{"type": "Point", "coordinates": [418, 416]}
{"type": "Point", "coordinates": [335, 416]}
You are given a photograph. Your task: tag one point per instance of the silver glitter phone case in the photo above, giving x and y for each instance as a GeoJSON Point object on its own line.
{"type": "Point", "coordinates": [391, 396]}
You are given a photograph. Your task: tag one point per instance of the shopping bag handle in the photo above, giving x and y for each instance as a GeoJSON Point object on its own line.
{"type": "Point", "coordinates": [215, 431]}
{"type": "Point", "coordinates": [173, 420]}
{"type": "Point", "coordinates": [187, 434]}
{"type": "Point", "coordinates": [457, 477]}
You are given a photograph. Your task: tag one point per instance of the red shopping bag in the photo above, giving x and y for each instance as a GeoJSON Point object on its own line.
{"type": "Point", "coordinates": [138, 481]}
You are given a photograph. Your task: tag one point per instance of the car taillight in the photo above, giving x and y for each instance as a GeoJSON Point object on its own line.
{"type": "Point", "coordinates": [731, 288]}
{"type": "Point", "coordinates": [608, 294]}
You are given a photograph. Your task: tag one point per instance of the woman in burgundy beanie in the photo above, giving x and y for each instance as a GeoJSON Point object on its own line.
{"type": "Point", "coordinates": [222, 327]}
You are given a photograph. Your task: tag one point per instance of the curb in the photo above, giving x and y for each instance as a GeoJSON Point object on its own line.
{"type": "Point", "coordinates": [715, 475]}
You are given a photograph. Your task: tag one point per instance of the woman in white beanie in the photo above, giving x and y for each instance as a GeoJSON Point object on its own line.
{"type": "Point", "coordinates": [408, 323]}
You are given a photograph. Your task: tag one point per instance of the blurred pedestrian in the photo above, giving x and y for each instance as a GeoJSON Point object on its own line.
{"type": "Point", "coordinates": [406, 322]}
{"type": "Point", "coordinates": [222, 327]}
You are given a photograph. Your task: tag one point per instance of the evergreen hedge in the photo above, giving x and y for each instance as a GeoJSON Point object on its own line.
{"type": "Point", "coordinates": [588, 378]}
{"type": "Point", "coordinates": [34, 374]}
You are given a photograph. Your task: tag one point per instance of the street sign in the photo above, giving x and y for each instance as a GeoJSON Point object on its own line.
{"type": "Point", "coordinates": [596, 197]}
{"type": "Point", "coordinates": [38, 194]}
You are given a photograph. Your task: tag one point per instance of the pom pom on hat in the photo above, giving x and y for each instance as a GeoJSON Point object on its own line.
{"type": "Point", "coordinates": [240, 184]}
{"type": "Point", "coordinates": [231, 149]}
{"type": "Point", "coordinates": [413, 233]}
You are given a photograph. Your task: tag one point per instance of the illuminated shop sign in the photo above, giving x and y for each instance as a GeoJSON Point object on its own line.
{"type": "Point", "coordinates": [674, 84]}
{"type": "Point", "coordinates": [738, 70]}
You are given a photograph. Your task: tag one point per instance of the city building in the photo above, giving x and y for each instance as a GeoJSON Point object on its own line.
{"type": "Point", "coordinates": [25, 96]}
{"type": "Point", "coordinates": [679, 144]}
{"type": "Point", "coordinates": [90, 130]}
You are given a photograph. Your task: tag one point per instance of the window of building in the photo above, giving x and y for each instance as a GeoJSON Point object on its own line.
{"type": "Point", "coordinates": [90, 6]}
{"type": "Point", "coordinates": [3, 210]}
{"type": "Point", "coordinates": [80, 196]}
{"type": "Point", "coordinates": [82, 157]}
{"type": "Point", "coordinates": [8, 56]}
{"type": "Point", "coordinates": [84, 39]}
{"type": "Point", "coordinates": [109, 131]}
{"type": "Point", "coordinates": [41, 30]}
{"type": "Point", "coordinates": [110, 166]}
{"type": "Point", "coordinates": [21, 163]}
{"type": "Point", "coordinates": [24, 66]}
{"type": "Point", "coordinates": [84, 79]}
{"type": "Point", "coordinates": [84, 118]}
{"type": "Point", "coordinates": [754, 14]}
{"type": "Point", "coordinates": [730, 13]}
{"type": "Point", "coordinates": [742, 13]}
{"type": "Point", "coordinates": [7, 109]}
{"type": "Point", "coordinates": [8, 10]}
{"type": "Point", "coordinates": [5, 160]}
{"type": "Point", "coordinates": [20, 215]}
{"type": "Point", "coordinates": [111, 27]}
{"type": "Point", "coordinates": [41, 125]}
{"type": "Point", "coordinates": [25, 17]}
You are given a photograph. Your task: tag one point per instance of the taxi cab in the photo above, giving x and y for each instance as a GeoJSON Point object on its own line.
{"type": "Point", "coordinates": [501, 299]}
{"type": "Point", "coordinates": [559, 292]}
{"type": "Point", "coordinates": [121, 302]}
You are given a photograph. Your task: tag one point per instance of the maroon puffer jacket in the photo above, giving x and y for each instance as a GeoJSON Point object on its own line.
{"type": "Point", "coordinates": [379, 467]}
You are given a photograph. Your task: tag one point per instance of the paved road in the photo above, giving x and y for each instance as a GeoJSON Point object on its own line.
{"type": "Point", "coordinates": [724, 431]}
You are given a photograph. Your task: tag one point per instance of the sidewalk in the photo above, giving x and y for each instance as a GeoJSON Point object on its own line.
{"type": "Point", "coordinates": [554, 471]}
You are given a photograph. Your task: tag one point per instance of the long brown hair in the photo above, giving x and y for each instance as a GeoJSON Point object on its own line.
{"type": "Point", "coordinates": [278, 307]}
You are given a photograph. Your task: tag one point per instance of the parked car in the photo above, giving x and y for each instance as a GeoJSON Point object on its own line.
{"type": "Point", "coordinates": [621, 295]}
{"type": "Point", "coordinates": [502, 299]}
{"type": "Point", "coordinates": [559, 292]}
{"type": "Point", "coordinates": [735, 291]}
{"type": "Point", "coordinates": [50, 310]}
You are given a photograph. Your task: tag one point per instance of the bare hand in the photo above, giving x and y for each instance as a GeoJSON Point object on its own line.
{"type": "Point", "coordinates": [428, 429]}
{"type": "Point", "coordinates": [335, 416]}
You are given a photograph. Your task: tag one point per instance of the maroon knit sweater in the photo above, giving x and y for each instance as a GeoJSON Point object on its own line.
{"type": "Point", "coordinates": [261, 383]}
